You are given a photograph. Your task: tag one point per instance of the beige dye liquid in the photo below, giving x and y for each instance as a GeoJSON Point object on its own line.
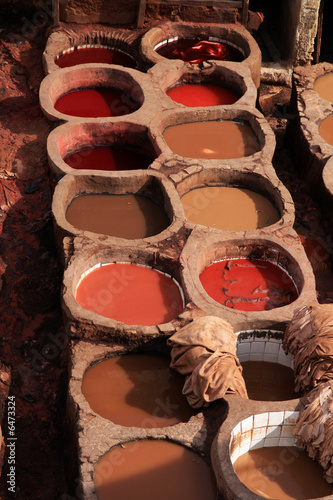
{"type": "Point", "coordinates": [267, 381]}
{"type": "Point", "coordinates": [324, 87]}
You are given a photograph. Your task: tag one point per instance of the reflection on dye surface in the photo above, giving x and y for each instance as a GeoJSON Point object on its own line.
{"type": "Point", "coordinates": [266, 381]}
{"type": "Point", "coordinates": [195, 51]}
{"type": "Point", "coordinates": [203, 94]}
{"type": "Point", "coordinates": [84, 55]}
{"type": "Point", "coordinates": [212, 139]}
{"type": "Point", "coordinates": [326, 130]}
{"type": "Point", "coordinates": [97, 102]}
{"type": "Point", "coordinates": [248, 285]}
{"type": "Point", "coordinates": [132, 294]}
{"type": "Point", "coordinates": [229, 209]}
{"type": "Point", "coordinates": [128, 216]}
{"type": "Point", "coordinates": [286, 473]}
{"type": "Point", "coordinates": [108, 158]}
{"type": "Point", "coordinates": [324, 86]}
{"type": "Point", "coordinates": [138, 390]}
{"type": "Point", "coordinates": [151, 470]}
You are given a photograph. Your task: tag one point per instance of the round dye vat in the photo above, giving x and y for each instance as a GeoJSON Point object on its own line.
{"type": "Point", "coordinates": [324, 87]}
{"type": "Point", "coordinates": [130, 216]}
{"type": "Point", "coordinates": [286, 473]}
{"type": "Point", "coordinates": [248, 285]}
{"type": "Point", "coordinates": [326, 130]}
{"type": "Point", "coordinates": [151, 469]}
{"type": "Point", "coordinates": [84, 55]}
{"type": "Point", "coordinates": [195, 50]}
{"type": "Point", "coordinates": [130, 293]}
{"type": "Point", "coordinates": [229, 209]}
{"type": "Point", "coordinates": [138, 390]}
{"type": "Point", "coordinates": [203, 94]}
{"type": "Point", "coordinates": [96, 102]}
{"type": "Point", "coordinates": [266, 381]}
{"type": "Point", "coordinates": [108, 159]}
{"type": "Point", "coordinates": [212, 139]}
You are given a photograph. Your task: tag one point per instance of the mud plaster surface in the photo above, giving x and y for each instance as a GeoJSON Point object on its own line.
{"type": "Point", "coordinates": [30, 273]}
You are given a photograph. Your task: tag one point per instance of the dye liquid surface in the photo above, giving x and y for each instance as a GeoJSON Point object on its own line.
{"type": "Point", "coordinates": [129, 293]}
{"type": "Point", "coordinates": [266, 381]}
{"type": "Point", "coordinates": [248, 285]}
{"type": "Point", "coordinates": [84, 55]}
{"type": "Point", "coordinates": [324, 86]}
{"type": "Point", "coordinates": [151, 470]}
{"type": "Point", "coordinates": [286, 473]}
{"type": "Point", "coordinates": [203, 94]}
{"type": "Point", "coordinates": [212, 140]}
{"type": "Point", "coordinates": [138, 390]}
{"type": "Point", "coordinates": [128, 216]}
{"type": "Point", "coordinates": [96, 102]}
{"type": "Point", "coordinates": [229, 209]}
{"type": "Point", "coordinates": [326, 130]}
{"type": "Point", "coordinates": [196, 51]}
{"type": "Point", "coordinates": [108, 159]}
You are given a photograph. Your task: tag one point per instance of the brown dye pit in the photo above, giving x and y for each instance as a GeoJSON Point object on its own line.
{"type": "Point", "coordinates": [196, 50]}
{"type": "Point", "coordinates": [326, 130]}
{"type": "Point", "coordinates": [153, 469]}
{"type": "Point", "coordinates": [286, 473]}
{"type": "Point", "coordinates": [138, 390]}
{"type": "Point", "coordinates": [266, 381]}
{"type": "Point", "coordinates": [108, 158]}
{"type": "Point", "coordinates": [84, 55]}
{"type": "Point", "coordinates": [324, 87]}
{"type": "Point", "coordinates": [228, 208]}
{"type": "Point", "coordinates": [129, 216]}
{"type": "Point", "coordinates": [212, 139]}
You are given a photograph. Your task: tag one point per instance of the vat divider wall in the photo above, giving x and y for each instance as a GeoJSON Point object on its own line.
{"type": "Point", "coordinates": [182, 250]}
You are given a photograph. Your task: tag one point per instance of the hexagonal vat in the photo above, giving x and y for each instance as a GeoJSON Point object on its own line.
{"type": "Point", "coordinates": [138, 296]}
{"type": "Point", "coordinates": [202, 43]}
{"type": "Point", "coordinates": [221, 84]}
{"type": "Point", "coordinates": [64, 49]}
{"type": "Point", "coordinates": [267, 369]}
{"type": "Point", "coordinates": [263, 460]}
{"type": "Point", "coordinates": [89, 92]}
{"type": "Point", "coordinates": [235, 200]}
{"type": "Point", "coordinates": [211, 266]}
{"type": "Point", "coordinates": [103, 149]}
{"type": "Point", "coordinates": [141, 207]}
{"type": "Point", "coordinates": [215, 135]}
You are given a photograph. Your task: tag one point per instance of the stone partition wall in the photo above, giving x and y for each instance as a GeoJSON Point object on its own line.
{"type": "Point", "coordinates": [181, 251]}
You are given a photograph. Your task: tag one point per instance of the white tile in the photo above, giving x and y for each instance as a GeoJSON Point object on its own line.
{"type": "Point", "coordinates": [286, 431]}
{"type": "Point", "coordinates": [291, 417]}
{"type": "Point", "coordinates": [257, 443]}
{"type": "Point", "coordinates": [274, 431]}
{"type": "Point", "coordinates": [287, 441]}
{"type": "Point", "coordinates": [272, 348]}
{"type": "Point", "coordinates": [245, 438]}
{"type": "Point", "coordinates": [256, 356]}
{"type": "Point", "coordinates": [284, 360]}
{"type": "Point", "coordinates": [271, 441]}
{"type": "Point", "coordinates": [264, 338]}
{"type": "Point", "coordinates": [277, 341]}
{"type": "Point", "coordinates": [258, 433]}
{"type": "Point", "coordinates": [276, 418]}
{"type": "Point", "coordinates": [257, 347]}
{"type": "Point", "coordinates": [271, 358]}
{"type": "Point", "coordinates": [247, 424]}
{"type": "Point", "coordinates": [282, 351]}
{"type": "Point", "coordinates": [243, 348]}
{"type": "Point", "coordinates": [260, 420]}
{"type": "Point", "coordinates": [234, 456]}
{"type": "Point", "coordinates": [243, 357]}
{"type": "Point", "coordinates": [244, 449]}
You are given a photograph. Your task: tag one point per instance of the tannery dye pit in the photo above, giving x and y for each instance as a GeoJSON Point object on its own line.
{"type": "Point", "coordinates": [165, 255]}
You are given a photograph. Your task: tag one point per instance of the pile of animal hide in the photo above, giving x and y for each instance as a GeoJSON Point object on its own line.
{"type": "Point", "coordinates": [205, 351]}
{"type": "Point", "coordinates": [309, 338]}
{"type": "Point", "coordinates": [314, 429]}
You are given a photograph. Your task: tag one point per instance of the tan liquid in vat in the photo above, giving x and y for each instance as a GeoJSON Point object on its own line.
{"type": "Point", "coordinates": [212, 139]}
{"type": "Point", "coordinates": [324, 87]}
{"type": "Point", "coordinates": [136, 390]}
{"type": "Point", "coordinates": [228, 208]}
{"type": "Point", "coordinates": [153, 470]}
{"type": "Point", "coordinates": [283, 472]}
{"type": "Point", "coordinates": [326, 130]}
{"type": "Point", "coordinates": [128, 216]}
{"type": "Point", "coordinates": [267, 381]}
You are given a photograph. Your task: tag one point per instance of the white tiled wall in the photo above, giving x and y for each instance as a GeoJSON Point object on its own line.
{"type": "Point", "coordinates": [263, 348]}
{"type": "Point", "coordinates": [263, 430]}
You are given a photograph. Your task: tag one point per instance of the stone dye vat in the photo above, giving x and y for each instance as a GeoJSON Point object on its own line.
{"type": "Point", "coordinates": [94, 54]}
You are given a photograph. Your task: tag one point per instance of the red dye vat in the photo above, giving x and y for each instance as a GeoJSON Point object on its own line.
{"type": "Point", "coordinates": [204, 94]}
{"type": "Point", "coordinates": [84, 55]}
{"type": "Point", "coordinates": [108, 158]}
{"type": "Point", "coordinates": [196, 51]}
{"type": "Point", "coordinates": [248, 285]}
{"type": "Point", "coordinates": [132, 294]}
{"type": "Point", "coordinates": [97, 102]}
